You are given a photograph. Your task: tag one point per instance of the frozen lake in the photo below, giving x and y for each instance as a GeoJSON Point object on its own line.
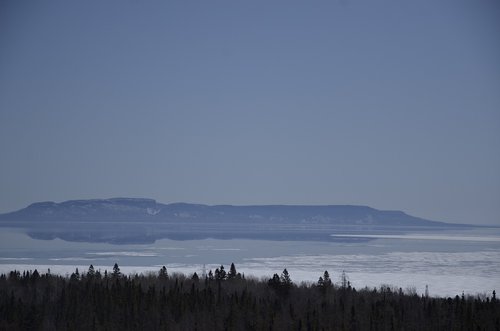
{"type": "Point", "coordinates": [448, 262]}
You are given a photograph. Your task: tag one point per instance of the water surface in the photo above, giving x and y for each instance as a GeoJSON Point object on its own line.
{"type": "Point", "coordinates": [448, 263]}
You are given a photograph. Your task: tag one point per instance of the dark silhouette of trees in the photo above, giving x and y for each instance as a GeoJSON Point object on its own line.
{"type": "Point", "coordinates": [75, 275]}
{"type": "Point", "coordinates": [285, 278]}
{"type": "Point", "coordinates": [324, 282]}
{"type": "Point", "coordinates": [344, 281]}
{"type": "Point", "coordinates": [37, 301]}
{"type": "Point", "coordinates": [321, 282]}
{"type": "Point", "coordinates": [220, 273]}
{"type": "Point", "coordinates": [163, 274]}
{"type": "Point", "coordinates": [91, 271]}
{"type": "Point", "coordinates": [274, 282]}
{"type": "Point", "coordinates": [116, 271]}
{"type": "Point", "coordinates": [232, 272]}
{"type": "Point", "coordinates": [326, 279]}
{"type": "Point", "coordinates": [281, 284]}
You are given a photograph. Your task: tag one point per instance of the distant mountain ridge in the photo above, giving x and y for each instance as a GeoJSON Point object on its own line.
{"type": "Point", "coordinates": [140, 209]}
{"type": "Point", "coordinates": [137, 220]}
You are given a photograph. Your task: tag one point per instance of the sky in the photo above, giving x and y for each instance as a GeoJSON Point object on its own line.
{"type": "Point", "coordinates": [394, 104]}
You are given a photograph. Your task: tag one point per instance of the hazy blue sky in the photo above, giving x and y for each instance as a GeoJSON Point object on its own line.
{"type": "Point", "coordinates": [393, 104]}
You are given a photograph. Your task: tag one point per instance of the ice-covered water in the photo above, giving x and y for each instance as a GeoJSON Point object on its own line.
{"type": "Point", "coordinates": [448, 263]}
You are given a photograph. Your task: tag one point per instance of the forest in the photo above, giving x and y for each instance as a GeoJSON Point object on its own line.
{"type": "Point", "coordinates": [227, 300]}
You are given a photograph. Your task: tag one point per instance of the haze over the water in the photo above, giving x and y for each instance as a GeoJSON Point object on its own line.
{"type": "Point", "coordinates": [390, 104]}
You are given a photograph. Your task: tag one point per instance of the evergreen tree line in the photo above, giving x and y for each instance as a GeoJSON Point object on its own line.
{"type": "Point", "coordinates": [224, 300]}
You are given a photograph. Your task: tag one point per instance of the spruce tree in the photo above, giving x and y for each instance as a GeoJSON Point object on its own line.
{"type": "Point", "coordinates": [285, 278]}
{"type": "Point", "coordinates": [116, 271]}
{"type": "Point", "coordinates": [220, 273]}
{"type": "Point", "coordinates": [274, 282]}
{"type": "Point", "coordinates": [232, 272]}
{"type": "Point", "coordinates": [163, 273]}
{"type": "Point", "coordinates": [326, 279]}
{"type": "Point", "coordinates": [91, 271]}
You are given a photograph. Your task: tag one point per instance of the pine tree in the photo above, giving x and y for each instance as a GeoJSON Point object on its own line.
{"type": "Point", "coordinates": [217, 274]}
{"type": "Point", "coordinates": [343, 280]}
{"type": "Point", "coordinates": [116, 271]}
{"type": "Point", "coordinates": [232, 272]}
{"type": "Point", "coordinates": [274, 282]}
{"type": "Point", "coordinates": [163, 273]}
{"type": "Point", "coordinates": [75, 275]}
{"type": "Point", "coordinates": [91, 271]}
{"type": "Point", "coordinates": [220, 273]}
{"type": "Point", "coordinates": [326, 279]}
{"type": "Point", "coordinates": [285, 278]}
